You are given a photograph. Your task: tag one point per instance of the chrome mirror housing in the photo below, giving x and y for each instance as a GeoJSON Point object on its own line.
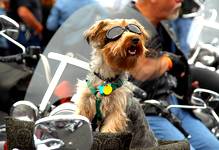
{"type": "Point", "coordinates": [7, 23]}
{"type": "Point", "coordinates": [63, 132]}
{"type": "Point", "coordinates": [24, 110]}
{"type": "Point", "coordinates": [68, 108]}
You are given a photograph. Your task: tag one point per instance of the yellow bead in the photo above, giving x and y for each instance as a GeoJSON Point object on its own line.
{"type": "Point", "coordinates": [107, 89]}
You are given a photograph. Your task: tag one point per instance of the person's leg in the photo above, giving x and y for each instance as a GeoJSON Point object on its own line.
{"type": "Point", "coordinates": [164, 130]}
{"type": "Point", "coordinates": [201, 137]}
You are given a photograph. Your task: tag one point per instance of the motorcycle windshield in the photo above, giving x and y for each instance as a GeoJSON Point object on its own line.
{"type": "Point", "coordinates": [68, 54]}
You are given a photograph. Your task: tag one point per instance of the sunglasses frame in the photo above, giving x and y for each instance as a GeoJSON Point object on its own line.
{"type": "Point", "coordinates": [123, 29]}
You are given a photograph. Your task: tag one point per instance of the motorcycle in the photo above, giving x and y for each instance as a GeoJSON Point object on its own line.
{"type": "Point", "coordinates": [16, 70]}
{"type": "Point", "coordinates": [203, 37]}
{"type": "Point", "coordinates": [45, 118]}
{"type": "Point", "coordinates": [204, 44]}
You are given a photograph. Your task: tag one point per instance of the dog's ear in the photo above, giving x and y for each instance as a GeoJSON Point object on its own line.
{"type": "Point", "coordinates": [95, 34]}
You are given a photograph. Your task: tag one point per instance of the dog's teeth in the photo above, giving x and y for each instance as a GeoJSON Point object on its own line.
{"type": "Point", "coordinates": [132, 52]}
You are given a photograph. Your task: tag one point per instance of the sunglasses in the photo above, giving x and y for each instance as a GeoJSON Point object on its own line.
{"type": "Point", "coordinates": [116, 32]}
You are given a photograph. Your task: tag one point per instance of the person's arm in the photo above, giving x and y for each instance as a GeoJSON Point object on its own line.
{"type": "Point", "coordinates": [29, 19]}
{"type": "Point", "coordinates": [150, 68]}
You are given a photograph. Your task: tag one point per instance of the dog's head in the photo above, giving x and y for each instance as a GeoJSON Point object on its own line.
{"type": "Point", "coordinates": [121, 41]}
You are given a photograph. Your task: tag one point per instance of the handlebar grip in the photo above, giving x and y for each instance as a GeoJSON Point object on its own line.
{"type": "Point", "coordinates": [13, 58]}
{"type": "Point", "coordinates": [140, 93]}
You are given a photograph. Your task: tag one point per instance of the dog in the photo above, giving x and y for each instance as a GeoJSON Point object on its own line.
{"type": "Point", "coordinates": [106, 97]}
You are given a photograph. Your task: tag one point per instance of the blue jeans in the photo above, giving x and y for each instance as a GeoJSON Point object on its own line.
{"type": "Point", "coordinates": [182, 27]}
{"type": "Point", "coordinates": [202, 138]}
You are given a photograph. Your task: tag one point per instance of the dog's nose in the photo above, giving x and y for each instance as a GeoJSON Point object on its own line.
{"type": "Point", "coordinates": [135, 40]}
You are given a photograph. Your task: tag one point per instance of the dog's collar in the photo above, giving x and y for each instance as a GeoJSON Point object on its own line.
{"type": "Point", "coordinates": [104, 89]}
{"type": "Point", "coordinates": [106, 79]}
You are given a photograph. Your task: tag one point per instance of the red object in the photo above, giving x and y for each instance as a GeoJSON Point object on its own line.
{"type": "Point", "coordinates": [65, 100]}
{"type": "Point", "coordinates": [64, 89]}
{"type": "Point", "coordinates": [195, 84]}
{"type": "Point", "coordinates": [5, 146]}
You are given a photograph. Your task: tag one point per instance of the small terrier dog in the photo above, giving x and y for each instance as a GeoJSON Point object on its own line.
{"type": "Point", "coordinates": [106, 97]}
{"type": "Point", "coordinates": [117, 44]}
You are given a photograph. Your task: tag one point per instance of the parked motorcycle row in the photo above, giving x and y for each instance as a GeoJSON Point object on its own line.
{"type": "Point", "coordinates": [33, 111]}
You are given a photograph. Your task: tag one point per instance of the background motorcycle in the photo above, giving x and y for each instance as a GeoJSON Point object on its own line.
{"type": "Point", "coordinates": [203, 39]}
{"type": "Point", "coordinates": [16, 70]}
{"type": "Point", "coordinates": [24, 112]}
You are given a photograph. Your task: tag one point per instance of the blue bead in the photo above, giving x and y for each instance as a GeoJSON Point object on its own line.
{"type": "Point", "coordinates": [101, 87]}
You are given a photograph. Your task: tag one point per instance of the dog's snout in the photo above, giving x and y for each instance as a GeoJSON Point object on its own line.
{"type": "Point", "coordinates": [135, 40]}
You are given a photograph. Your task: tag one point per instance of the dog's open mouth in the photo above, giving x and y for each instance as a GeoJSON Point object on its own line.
{"type": "Point", "coordinates": [132, 50]}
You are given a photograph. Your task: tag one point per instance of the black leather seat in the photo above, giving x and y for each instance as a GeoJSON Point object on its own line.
{"type": "Point", "coordinates": [20, 135]}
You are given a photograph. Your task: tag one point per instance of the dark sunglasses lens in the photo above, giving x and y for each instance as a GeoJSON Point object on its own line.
{"type": "Point", "coordinates": [134, 28]}
{"type": "Point", "coordinates": [114, 33]}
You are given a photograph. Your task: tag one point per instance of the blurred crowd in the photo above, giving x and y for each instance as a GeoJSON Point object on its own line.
{"type": "Point", "coordinates": [38, 19]}
{"type": "Point", "coordinates": [31, 16]}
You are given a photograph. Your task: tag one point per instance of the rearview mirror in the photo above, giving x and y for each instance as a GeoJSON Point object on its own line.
{"type": "Point", "coordinates": [63, 132]}
{"type": "Point", "coordinates": [9, 29]}
{"type": "Point", "coordinates": [7, 23]}
{"type": "Point", "coordinates": [24, 110]}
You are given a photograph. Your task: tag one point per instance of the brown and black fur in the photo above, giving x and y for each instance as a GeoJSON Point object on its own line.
{"type": "Point", "coordinates": [120, 111]}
